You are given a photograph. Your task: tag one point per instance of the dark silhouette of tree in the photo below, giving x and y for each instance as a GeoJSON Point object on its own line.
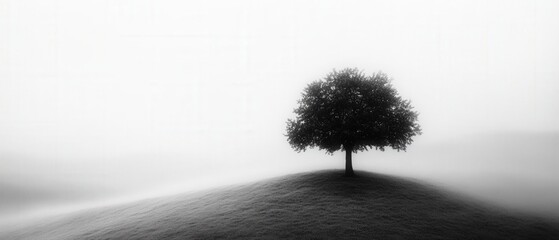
{"type": "Point", "coordinates": [350, 111]}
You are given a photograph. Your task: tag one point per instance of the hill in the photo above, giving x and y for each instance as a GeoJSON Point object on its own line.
{"type": "Point", "coordinates": [323, 205]}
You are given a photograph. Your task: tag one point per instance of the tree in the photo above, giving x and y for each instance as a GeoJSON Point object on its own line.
{"type": "Point", "coordinates": [350, 111]}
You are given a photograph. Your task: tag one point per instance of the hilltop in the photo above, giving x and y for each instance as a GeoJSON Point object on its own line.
{"type": "Point", "coordinates": [322, 204]}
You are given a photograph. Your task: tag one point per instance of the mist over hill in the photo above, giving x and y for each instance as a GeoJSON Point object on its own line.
{"type": "Point", "coordinates": [514, 170]}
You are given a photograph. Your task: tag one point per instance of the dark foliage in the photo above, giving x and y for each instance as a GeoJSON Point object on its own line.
{"type": "Point", "coordinates": [351, 111]}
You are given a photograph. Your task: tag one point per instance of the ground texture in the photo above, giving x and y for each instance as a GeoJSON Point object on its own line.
{"type": "Point", "coordinates": [318, 205]}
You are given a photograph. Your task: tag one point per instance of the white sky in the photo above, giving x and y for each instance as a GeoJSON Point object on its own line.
{"type": "Point", "coordinates": [84, 83]}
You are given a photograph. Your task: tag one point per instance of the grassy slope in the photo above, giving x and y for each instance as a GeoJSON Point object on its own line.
{"type": "Point", "coordinates": [309, 205]}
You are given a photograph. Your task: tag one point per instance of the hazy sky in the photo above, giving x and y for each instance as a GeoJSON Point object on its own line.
{"type": "Point", "coordinates": [95, 84]}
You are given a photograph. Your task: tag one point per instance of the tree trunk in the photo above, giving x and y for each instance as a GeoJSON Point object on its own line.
{"type": "Point", "coordinates": [348, 166]}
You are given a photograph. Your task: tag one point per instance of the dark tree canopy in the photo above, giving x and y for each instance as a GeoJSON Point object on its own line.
{"type": "Point", "coordinates": [350, 111]}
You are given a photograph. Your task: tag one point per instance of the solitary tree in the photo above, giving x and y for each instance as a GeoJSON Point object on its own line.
{"type": "Point", "coordinates": [350, 111]}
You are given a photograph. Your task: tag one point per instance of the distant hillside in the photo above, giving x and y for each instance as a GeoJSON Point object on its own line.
{"type": "Point", "coordinates": [323, 205]}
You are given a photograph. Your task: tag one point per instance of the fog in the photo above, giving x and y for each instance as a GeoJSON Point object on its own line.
{"type": "Point", "coordinates": [114, 99]}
